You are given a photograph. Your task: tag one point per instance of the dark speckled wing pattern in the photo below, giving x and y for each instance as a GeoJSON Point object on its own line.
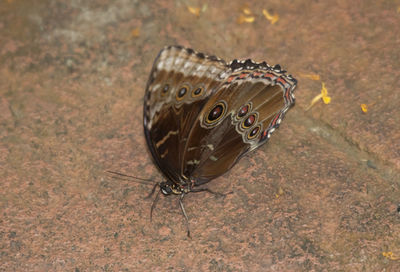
{"type": "Point", "coordinates": [201, 115]}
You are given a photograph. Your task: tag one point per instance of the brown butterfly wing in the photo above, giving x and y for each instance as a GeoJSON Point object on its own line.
{"type": "Point", "coordinates": [240, 116]}
{"type": "Point", "coordinates": [180, 83]}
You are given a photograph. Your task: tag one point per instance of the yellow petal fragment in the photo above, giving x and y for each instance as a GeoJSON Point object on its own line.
{"type": "Point", "coordinates": [245, 19]}
{"type": "Point", "coordinates": [389, 255]}
{"type": "Point", "coordinates": [271, 18]}
{"type": "Point", "coordinates": [135, 32]}
{"type": "Point", "coordinates": [280, 192]}
{"type": "Point", "coordinates": [364, 108]}
{"type": "Point", "coordinates": [398, 9]}
{"type": "Point", "coordinates": [311, 76]}
{"type": "Point", "coordinates": [315, 100]}
{"type": "Point", "coordinates": [246, 11]}
{"type": "Point", "coordinates": [326, 99]}
{"type": "Point", "coordinates": [324, 92]}
{"type": "Point", "coordinates": [194, 10]}
{"type": "Point", "coordinates": [323, 95]}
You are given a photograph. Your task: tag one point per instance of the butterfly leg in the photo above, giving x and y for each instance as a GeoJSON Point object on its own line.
{"type": "Point", "coordinates": [184, 214]}
{"type": "Point", "coordinates": [153, 205]}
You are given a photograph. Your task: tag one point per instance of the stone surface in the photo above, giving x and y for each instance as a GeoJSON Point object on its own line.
{"type": "Point", "coordinates": [321, 195]}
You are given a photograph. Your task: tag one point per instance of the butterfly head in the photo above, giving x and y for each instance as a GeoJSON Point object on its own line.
{"type": "Point", "coordinates": [169, 188]}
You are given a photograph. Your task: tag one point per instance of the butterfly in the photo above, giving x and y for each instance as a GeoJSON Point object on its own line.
{"type": "Point", "coordinates": [201, 115]}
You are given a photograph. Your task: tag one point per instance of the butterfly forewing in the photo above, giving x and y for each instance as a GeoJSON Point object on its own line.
{"type": "Point", "coordinates": [180, 83]}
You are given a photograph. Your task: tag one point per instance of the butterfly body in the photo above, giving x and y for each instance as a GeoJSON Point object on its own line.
{"type": "Point", "coordinates": [201, 115]}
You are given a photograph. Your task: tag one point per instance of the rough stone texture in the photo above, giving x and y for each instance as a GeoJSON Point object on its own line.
{"type": "Point", "coordinates": [322, 195]}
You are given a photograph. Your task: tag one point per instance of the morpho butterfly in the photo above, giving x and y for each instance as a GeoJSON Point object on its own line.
{"type": "Point", "coordinates": [201, 115]}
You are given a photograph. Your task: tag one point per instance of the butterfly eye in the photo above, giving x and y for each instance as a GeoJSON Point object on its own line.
{"type": "Point", "coordinates": [249, 121]}
{"type": "Point", "coordinates": [254, 132]}
{"type": "Point", "coordinates": [216, 113]}
{"type": "Point", "coordinates": [166, 191]}
{"type": "Point", "coordinates": [181, 93]}
{"type": "Point", "coordinates": [165, 188]}
{"type": "Point", "coordinates": [197, 92]}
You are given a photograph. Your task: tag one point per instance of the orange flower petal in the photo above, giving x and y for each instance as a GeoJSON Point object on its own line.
{"type": "Point", "coordinates": [311, 76]}
{"type": "Point", "coordinates": [364, 108]}
{"type": "Point", "coordinates": [271, 18]}
{"type": "Point", "coordinates": [194, 10]}
{"type": "Point", "coordinates": [389, 255]}
{"type": "Point", "coordinates": [245, 19]}
{"type": "Point", "coordinates": [246, 11]}
{"type": "Point", "coordinates": [135, 32]}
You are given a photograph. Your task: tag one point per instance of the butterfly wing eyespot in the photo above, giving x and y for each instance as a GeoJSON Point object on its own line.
{"type": "Point", "coordinates": [243, 111]}
{"type": "Point", "coordinates": [165, 89]}
{"type": "Point", "coordinates": [182, 91]}
{"type": "Point", "coordinates": [249, 121]}
{"type": "Point", "coordinates": [254, 132]}
{"type": "Point", "coordinates": [216, 113]}
{"type": "Point", "coordinates": [197, 91]}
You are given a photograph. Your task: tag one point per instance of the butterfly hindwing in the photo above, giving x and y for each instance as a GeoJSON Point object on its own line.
{"type": "Point", "coordinates": [251, 103]}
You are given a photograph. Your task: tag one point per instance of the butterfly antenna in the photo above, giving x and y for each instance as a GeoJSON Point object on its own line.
{"type": "Point", "coordinates": [129, 177]}
{"type": "Point", "coordinates": [152, 191]}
